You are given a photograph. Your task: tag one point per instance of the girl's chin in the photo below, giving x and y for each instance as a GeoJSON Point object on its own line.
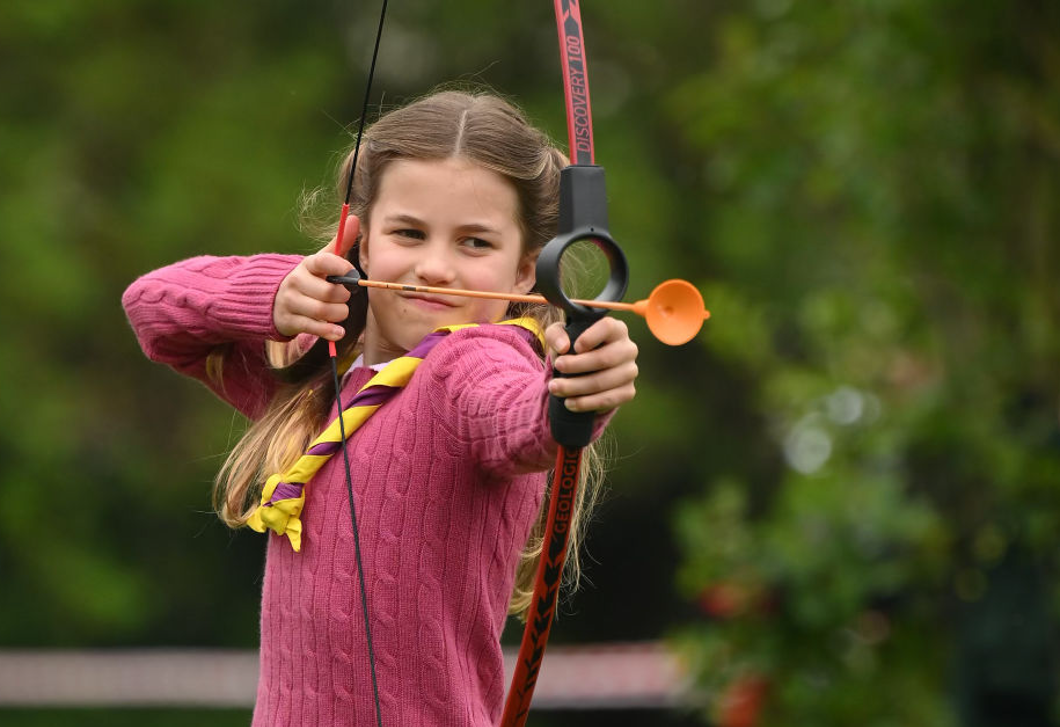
{"type": "Point", "coordinates": [425, 320]}
{"type": "Point", "coordinates": [421, 325]}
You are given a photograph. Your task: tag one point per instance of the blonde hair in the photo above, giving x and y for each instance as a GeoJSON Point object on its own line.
{"type": "Point", "coordinates": [493, 134]}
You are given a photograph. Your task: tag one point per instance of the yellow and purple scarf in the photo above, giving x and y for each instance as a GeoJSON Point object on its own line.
{"type": "Point", "coordinates": [283, 496]}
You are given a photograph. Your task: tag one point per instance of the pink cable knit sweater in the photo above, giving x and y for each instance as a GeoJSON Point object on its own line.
{"type": "Point", "coordinates": [448, 478]}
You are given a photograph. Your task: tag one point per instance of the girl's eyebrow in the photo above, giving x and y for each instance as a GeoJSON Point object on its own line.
{"type": "Point", "coordinates": [404, 219]}
{"type": "Point", "coordinates": [413, 221]}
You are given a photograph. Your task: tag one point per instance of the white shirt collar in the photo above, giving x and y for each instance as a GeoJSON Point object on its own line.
{"type": "Point", "coordinates": [359, 363]}
{"type": "Point", "coordinates": [375, 367]}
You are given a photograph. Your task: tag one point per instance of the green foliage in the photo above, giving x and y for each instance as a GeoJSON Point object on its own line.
{"type": "Point", "coordinates": [882, 226]}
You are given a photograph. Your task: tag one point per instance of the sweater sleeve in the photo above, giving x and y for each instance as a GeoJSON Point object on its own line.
{"type": "Point", "coordinates": [185, 312]}
{"type": "Point", "coordinates": [491, 394]}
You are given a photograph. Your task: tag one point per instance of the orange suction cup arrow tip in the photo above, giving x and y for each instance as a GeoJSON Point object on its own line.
{"type": "Point", "coordinates": [674, 311]}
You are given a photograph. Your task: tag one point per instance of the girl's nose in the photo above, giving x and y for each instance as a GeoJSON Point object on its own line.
{"type": "Point", "coordinates": [434, 266]}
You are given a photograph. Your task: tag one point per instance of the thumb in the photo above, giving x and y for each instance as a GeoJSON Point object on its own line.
{"type": "Point", "coordinates": [349, 229]}
{"type": "Point", "coordinates": [556, 339]}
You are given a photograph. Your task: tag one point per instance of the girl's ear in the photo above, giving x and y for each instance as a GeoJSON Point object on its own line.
{"type": "Point", "coordinates": [526, 273]}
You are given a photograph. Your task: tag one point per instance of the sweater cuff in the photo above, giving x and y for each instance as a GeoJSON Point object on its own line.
{"type": "Point", "coordinates": [245, 302]}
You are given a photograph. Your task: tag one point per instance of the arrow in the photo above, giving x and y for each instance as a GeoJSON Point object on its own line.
{"type": "Point", "coordinates": [674, 311]}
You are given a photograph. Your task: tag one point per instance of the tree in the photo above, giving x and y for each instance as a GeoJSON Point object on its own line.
{"type": "Point", "coordinates": [882, 221]}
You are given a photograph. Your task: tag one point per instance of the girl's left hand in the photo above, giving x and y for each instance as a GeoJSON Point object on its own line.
{"type": "Point", "coordinates": [602, 368]}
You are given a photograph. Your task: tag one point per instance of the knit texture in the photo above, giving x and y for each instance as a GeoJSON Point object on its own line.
{"type": "Point", "coordinates": [184, 312]}
{"type": "Point", "coordinates": [448, 479]}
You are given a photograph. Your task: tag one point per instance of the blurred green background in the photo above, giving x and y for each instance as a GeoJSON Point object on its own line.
{"type": "Point", "coordinates": [841, 503]}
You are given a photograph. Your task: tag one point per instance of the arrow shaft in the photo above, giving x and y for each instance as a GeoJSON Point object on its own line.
{"type": "Point", "coordinates": [515, 297]}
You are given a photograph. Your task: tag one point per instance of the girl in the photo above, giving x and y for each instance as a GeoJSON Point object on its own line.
{"type": "Point", "coordinates": [449, 473]}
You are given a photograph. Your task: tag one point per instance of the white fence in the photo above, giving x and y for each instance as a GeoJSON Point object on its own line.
{"type": "Point", "coordinates": [606, 676]}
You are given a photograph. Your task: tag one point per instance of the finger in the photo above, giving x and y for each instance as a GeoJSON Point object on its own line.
{"type": "Point", "coordinates": [606, 356]}
{"type": "Point", "coordinates": [318, 288]}
{"type": "Point", "coordinates": [325, 263]}
{"type": "Point", "coordinates": [556, 338]}
{"type": "Point", "coordinates": [603, 401]}
{"type": "Point", "coordinates": [604, 330]}
{"type": "Point", "coordinates": [317, 309]}
{"type": "Point", "coordinates": [594, 383]}
{"type": "Point", "coordinates": [323, 329]}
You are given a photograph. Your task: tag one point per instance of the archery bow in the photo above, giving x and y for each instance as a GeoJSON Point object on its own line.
{"type": "Point", "coordinates": [583, 216]}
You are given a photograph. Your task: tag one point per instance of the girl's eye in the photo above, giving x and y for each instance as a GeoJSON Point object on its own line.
{"type": "Point", "coordinates": [410, 233]}
{"type": "Point", "coordinates": [477, 243]}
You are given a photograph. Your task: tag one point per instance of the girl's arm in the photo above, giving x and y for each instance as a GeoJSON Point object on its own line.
{"type": "Point", "coordinates": [185, 312]}
{"type": "Point", "coordinates": [492, 391]}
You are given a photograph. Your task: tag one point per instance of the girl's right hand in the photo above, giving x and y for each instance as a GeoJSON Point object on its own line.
{"type": "Point", "coordinates": [306, 302]}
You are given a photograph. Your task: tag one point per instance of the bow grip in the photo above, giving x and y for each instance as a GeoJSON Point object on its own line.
{"type": "Point", "coordinates": [571, 428]}
{"type": "Point", "coordinates": [582, 217]}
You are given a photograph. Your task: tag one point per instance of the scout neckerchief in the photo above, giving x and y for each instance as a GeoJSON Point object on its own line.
{"type": "Point", "coordinates": [283, 496]}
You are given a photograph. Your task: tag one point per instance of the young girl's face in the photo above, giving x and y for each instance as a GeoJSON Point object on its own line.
{"type": "Point", "coordinates": [446, 223]}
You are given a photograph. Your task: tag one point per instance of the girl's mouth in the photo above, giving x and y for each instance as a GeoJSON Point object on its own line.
{"type": "Point", "coordinates": [431, 302]}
